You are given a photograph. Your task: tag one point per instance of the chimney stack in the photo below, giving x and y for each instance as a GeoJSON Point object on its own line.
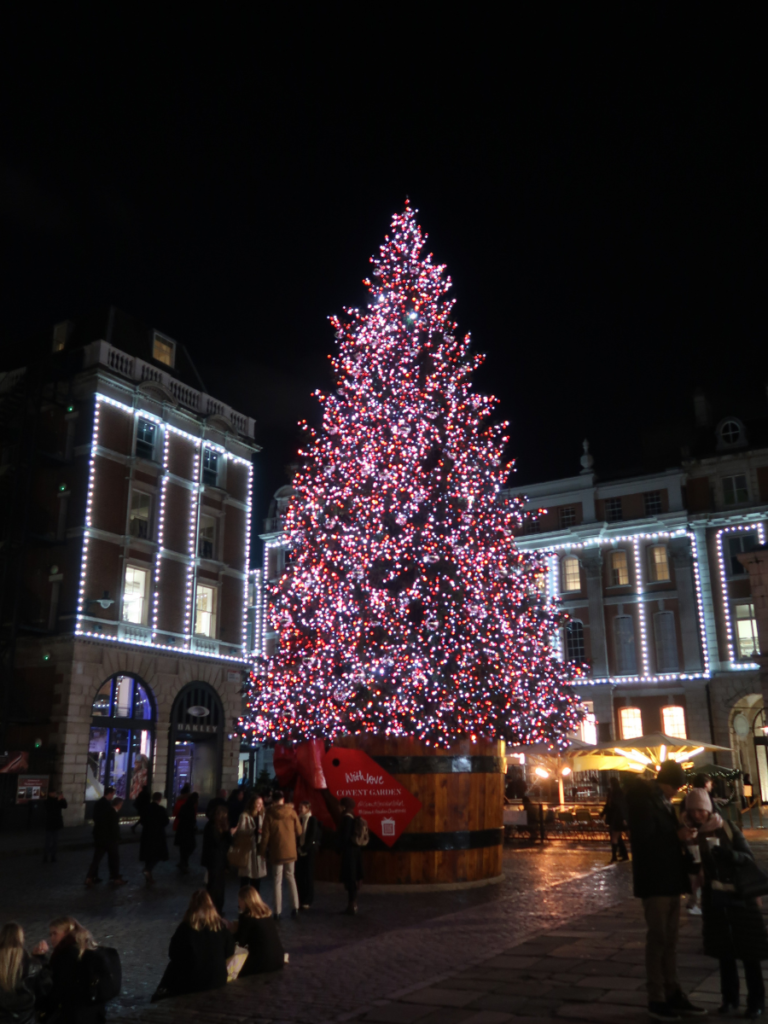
{"type": "Point", "coordinates": [702, 409]}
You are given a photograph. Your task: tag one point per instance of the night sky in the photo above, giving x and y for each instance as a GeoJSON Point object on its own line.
{"type": "Point", "coordinates": [593, 176]}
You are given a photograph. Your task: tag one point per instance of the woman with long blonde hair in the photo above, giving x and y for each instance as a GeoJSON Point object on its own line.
{"type": "Point", "coordinates": [17, 1003]}
{"type": "Point", "coordinates": [251, 868]}
{"type": "Point", "coordinates": [256, 929]}
{"type": "Point", "coordinates": [68, 995]}
{"type": "Point", "coordinates": [199, 950]}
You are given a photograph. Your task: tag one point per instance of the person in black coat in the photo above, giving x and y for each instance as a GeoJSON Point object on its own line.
{"type": "Point", "coordinates": [55, 804]}
{"type": "Point", "coordinates": [614, 815]}
{"type": "Point", "coordinates": [106, 837]}
{"type": "Point", "coordinates": [65, 979]}
{"type": "Point", "coordinates": [217, 840]}
{"type": "Point", "coordinates": [660, 875]}
{"type": "Point", "coordinates": [256, 929]}
{"type": "Point", "coordinates": [140, 805]}
{"type": "Point", "coordinates": [307, 847]}
{"type": "Point", "coordinates": [185, 827]}
{"type": "Point", "coordinates": [235, 806]}
{"type": "Point", "coordinates": [198, 952]}
{"type": "Point", "coordinates": [154, 845]}
{"type": "Point", "coordinates": [733, 926]}
{"type": "Point", "coordinates": [351, 873]}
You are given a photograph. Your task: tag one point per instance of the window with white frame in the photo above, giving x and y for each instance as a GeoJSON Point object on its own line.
{"type": "Point", "coordinates": [665, 638]}
{"type": "Point", "coordinates": [574, 641]}
{"type": "Point", "coordinates": [624, 638]}
{"type": "Point", "coordinates": [619, 568]}
{"type": "Point", "coordinates": [588, 727]}
{"type": "Point", "coordinates": [745, 628]}
{"type": "Point", "coordinates": [210, 467]}
{"type": "Point", "coordinates": [613, 510]}
{"type": "Point", "coordinates": [146, 435]}
{"type": "Point", "coordinates": [206, 540]}
{"type": "Point", "coordinates": [138, 523]}
{"type": "Point", "coordinates": [136, 595]}
{"type": "Point", "coordinates": [630, 723]}
{"type": "Point", "coordinates": [735, 489]}
{"type": "Point", "coordinates": [205, 611]}
{"type": "Point", "coordinates": [567, 516]}
{"type": "Point", "coordinates": [673, 721]}
{"type": "Point", "coordinates": [570, 574]}
{"type": "Point", "coordinates": [652, 501]}
{"type": "Point", "coordinates": [658, 563]}
{"type": "Point", "coordinates": [740, 544]}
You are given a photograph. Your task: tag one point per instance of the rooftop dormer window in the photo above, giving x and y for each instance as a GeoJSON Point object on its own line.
{"type": "Point", "coordinates": [164, 350]}
{"type": "Point", "coordinates": [730, 434]}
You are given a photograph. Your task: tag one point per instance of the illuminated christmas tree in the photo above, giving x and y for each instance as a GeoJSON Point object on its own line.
{"type": "Point", "coordinates": [406, 608]}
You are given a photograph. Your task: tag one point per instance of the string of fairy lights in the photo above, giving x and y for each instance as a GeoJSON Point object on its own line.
{"type": "Point", "coordinates": [406, 609]}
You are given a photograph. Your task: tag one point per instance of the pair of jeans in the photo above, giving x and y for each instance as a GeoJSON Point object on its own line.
{"type": "Point", "coordinates": [662, 915]}
{"type": "Point", "coordinates": [278, 870]}
{"type": "Point", "coordinates": [113, 860]}
{"type": "Point", "coordinates": [753, 975]}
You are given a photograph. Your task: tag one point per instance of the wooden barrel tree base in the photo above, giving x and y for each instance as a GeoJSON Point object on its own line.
{"type": "Point", "coordinates": [456, 839]}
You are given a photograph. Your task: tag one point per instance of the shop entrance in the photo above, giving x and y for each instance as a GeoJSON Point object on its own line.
{"type": "Point", "coordinates": [196, 742]}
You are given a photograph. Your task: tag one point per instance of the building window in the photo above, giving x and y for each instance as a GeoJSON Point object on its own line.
{"type": "Point", "coordinates": [673, 721]}
{"type": "Point", "coordinates": [121, 742]}
{"type": "Point", "coordinates": [163, 350]}
{"type": "Point", "coordinates": [138, 524]}
{"type": "Point", "coordinates": [658, 564]}
{"type": "Point", "coordinates": [206, 541]}
{"type": "Point", "coordinates": [570, 575]}
{"type": "Point", "coordinates": [588, 727]}
{"type": "Point", "coordinates": [735, 490]}
{"type": "Point", "coordinates": [665, 637]}
{"type": "Point", "coordinates": [613, 510]}
{"type": "Point", "coordinates": [730, 432]}
{"type": "Point", "coordinates": [574, 641]}
{"type": "Point", "coordinates": [136, 595]}
{"type": "Point", "coordinates": [567, 517]}
{"type": "Point", "coordinates": [739, 544]}
{"type": "Point", "coordinates": [624, 636]}
{"type": "Point", "coordinates": [619, 569]}
{"type": "Point", "coordinates": [210, 467]}
{"type": "Point", "coordinates": [61, 333]}
{"type": "Point", "coordinates": [630, 723]}
{"type": "Point", "coordinates": [652, 503]}
{"type": "Point", "coordinates": [747, 642]}
{"type": "Point", "coordinates": [146, 435]}
{"type": "Point", "coordinates": [205, 611]}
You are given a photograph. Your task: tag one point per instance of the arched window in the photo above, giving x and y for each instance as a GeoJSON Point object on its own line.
{"type": "Point", "coordinates": [570, 575]}
{"type": "Point", "coordinates": [574, 641]}
{"type": "Point", "coordinates": [630, 723]}
{"type": "Point", "coordinates": [619, 568]}
{"type": "Point", "coordinates": [624, 636]}
{"type": "Point", "coordinates": [665, 637]}
{"type": "Point", "coordinates": [673, 721]}
{"type": "Point", "coordinates": [122, 738]}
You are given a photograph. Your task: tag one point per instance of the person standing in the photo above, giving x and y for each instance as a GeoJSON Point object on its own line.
{"type": "Point", "coordinates": [106, 838]}
{"type": "Point", "coordinates": [154, 845]}
{"type": "Point", "coordinates": [140, 805]}
{"type": "Point", "coordinates": [181, 799]}
{"type": "Point", "coordinates": [217, 840]}
{"type": "Point", "coordinates": [309, 842]}
{"type": "Point", "coordinates": [185, 826]}
{"type": "Point", "coordinates": [55, 805]}
{"type": "Point", "coordinates": [235, 805]}
{"type": "Point", "coordinates": [351, 853]}
{"type": "Point", "coordinates": [281, 830]}
{"type": "Point", "coordinates": [614, 815]}
{"type": "Point", "coordinates": [660, 875]}
{"type": "Point", "coordinates": [251, 827]}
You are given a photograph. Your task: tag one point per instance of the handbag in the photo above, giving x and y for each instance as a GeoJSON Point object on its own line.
{"type": "Point", "coordinates": [749, 880]}
{"type": "Point", "coordinates": [240, 851]}
{"type": "Point", "coordinates": [236, 962]}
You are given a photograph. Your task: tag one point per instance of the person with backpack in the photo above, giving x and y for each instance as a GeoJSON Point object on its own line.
{"type": "Point", "coordinates": [198, 952]}
{"type": "Point", "coordinates": [78, 978]}
{"type": "Point", "coordinates": [257, 932]}
{"type": "Point", "coordinates": [185, 827]}
{"type": "Point", "coordinates": [17, 1001]}
{"type": "Point", "coordinates": [154, 845]}
{"type": "Point", "coordinates": [281, 830]}
{"type": "Point", "coordinates": [106, 838]}
{"type": "Point", "coordinates": [55, 805]}
{"type": "Point", "coordinates": [353, 835]}
{"type": "Point", "coordinates": [217, 840]}
{"type": "Point", "coordinates": [309, 844]}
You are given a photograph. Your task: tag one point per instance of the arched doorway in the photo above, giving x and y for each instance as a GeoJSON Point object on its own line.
{"type": "Point", "coordinates": [121, 743]}
{"type": "Point", "coordinates": [196, 742]}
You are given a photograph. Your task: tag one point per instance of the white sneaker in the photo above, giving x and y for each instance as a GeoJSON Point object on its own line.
{"type": "Point", "coordinates": [694, 911]}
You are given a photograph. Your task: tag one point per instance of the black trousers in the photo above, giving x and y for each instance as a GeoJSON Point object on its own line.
{"type": "Point", "coordinates": [729, 983]}
{"type": "Point", "coordinates": [305, 879]}
{"type": "Point", "coordinates": [244, 881]}
{"type": "Point", "coordinates": [113, 860]}
{"type": "Point", "coordinates": [216, 885]}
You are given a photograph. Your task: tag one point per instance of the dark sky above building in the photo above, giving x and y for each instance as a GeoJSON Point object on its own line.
{"type": "Point", "coordinates": [594, 178]}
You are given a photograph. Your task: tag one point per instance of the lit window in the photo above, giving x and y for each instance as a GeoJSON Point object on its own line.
{"type": "Point", "coordinates": [210, 467]}
{"type": "Point", "coordinates": [658, 564]}
{"type": "Point", "coordinates": [574, 641]}
{"type": "Point", "coordinates": [613, 510]}
{"type": "Point", "coordinates": [567, 516]}
{"type": "Point", "coordinates": [652, 503]}
{"type": "Point", "coordinates": [624, 637]}
{"type": "Point", "coordinates": [136, 595]}
{"type": "Point", "coordinates": [735, 489]}
{"type": "Point", "coordinates": [665, 638]}
{"type": "Point", "coordinates": [619, 569]}
{"type": "Point", "coordinates": [146, 434]}
{"type": "Point", "coordinates": [747, 643]}
{"type": "Point", "coordinates": [61, 334]}
{"type": "Point", "coordinates": [205, 611]}
{"type": "Point", "coordinates": [207, 537]}
{"type": "Point", "coordinates": [739, 544]}
{"type": "Point", "coordinates": [163, 350]}
{"type": "Point", "coordinates": [588, 727]}
{"type": "Point", "coordinates": [630, 722]}
{"type": "Point", "coordinates": [673, 721]}
{"type": "Point", "coordinates": [139, 520]}
{"type": "Point", "coordinates": [570, 575]}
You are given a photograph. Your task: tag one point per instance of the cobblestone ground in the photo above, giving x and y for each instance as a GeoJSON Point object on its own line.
{"type": "Point", "coordinates": [339, 965]}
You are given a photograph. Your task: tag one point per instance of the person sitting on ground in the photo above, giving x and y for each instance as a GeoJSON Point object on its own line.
{"type": "Point", "coordinates": [154, 845]}
{"type": "Point", "coordinates": [734, 928]}
{"type": "Point", "coordinates": [198, 952]}
{"type": "Point", "coordinates": [66, 979]}
{"type": "Point", "coordinates": [257, 931]}
{"type": "Point", "coordinates": [17, 1002]}
{"type": "Point", "coordinates": [217, 840]}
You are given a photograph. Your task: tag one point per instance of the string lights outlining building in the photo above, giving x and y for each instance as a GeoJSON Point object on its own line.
{"type": "Point", "coordinates": [127, 519]}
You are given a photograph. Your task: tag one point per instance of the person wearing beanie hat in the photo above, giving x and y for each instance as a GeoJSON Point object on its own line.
{"type": "Point", "coordinates": [660, 877]}
{"type": "Point", "coordinates": [699, 799]}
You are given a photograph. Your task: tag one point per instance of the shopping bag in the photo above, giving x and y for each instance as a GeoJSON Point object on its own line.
{"type": "Point", "coordinates": [235, 962]}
